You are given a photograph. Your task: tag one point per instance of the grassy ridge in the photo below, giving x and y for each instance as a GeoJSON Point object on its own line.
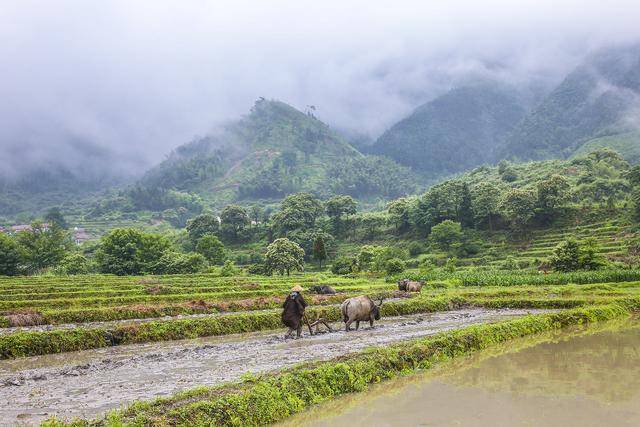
{"type": "Point", "coordinates": [20, 344]}
{"type": "Point", "coordinates": [272, 398]}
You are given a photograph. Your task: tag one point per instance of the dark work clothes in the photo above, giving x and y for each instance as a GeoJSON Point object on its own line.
{"type": "Point", "coordinates": [293, 307]}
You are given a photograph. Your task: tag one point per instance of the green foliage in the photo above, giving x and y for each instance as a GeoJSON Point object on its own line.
{"type": "Point", "coordinates": [571, 114]}
{"type": "Point", "coordinates": [130, 251]}
{"type": "Point", "coordinates": [455, 132]}
{"type": "Point", "coordinates": [344, 265]}
{"type": "Point", "coordinates": [394, 266]}
{"type": "Point", "coordinates": [552, 194]}
{"type": "Point", "coordinates": [74, 263]}
{"type": "Point", "coordinates": [371, 176]}
{"type": "Point", "coordinates": [178, 263]}
{"type": "Point", "coordinates": [297, 211]}
{"type": "Point", "coordinates": [211, 248]}
{"type": "Point", "coordinates": [42, 247]}
{"type": "Point", "coordinates": [571, 255]}
{"type": "Point", "coordinates": [446, 233]}
{"type": "Point", "coordinates": [399, 213]}
{"type": "Point", "coordinates": [10, 256]}
{"type": "Point", "coordinates": [416, 248]}
{"type": "Point", "coordinates": [518, 207]}
{"type": "Point", "coordinates": [283, 255]}
{"type": "Point", "coordinates": [201, 225]}
{"type": "Point", "coordinates": [228, 269]}
{"type": "Point", "coordinates": [54, 216]}
{"type": "Point", "coordinates": [319, 249]}
{"type": "Point", "coordinates": [234, 219]}
{"type": "Point", "coordinates": [337, 208]}
{"type": "Point", "coordinates": [450, 200]}
{"type": "Point", "coordinates": [485, 198]}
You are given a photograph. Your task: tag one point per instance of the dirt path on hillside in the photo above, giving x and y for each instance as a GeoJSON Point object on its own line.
{"type": "Point", "coordinates": [87, 383]}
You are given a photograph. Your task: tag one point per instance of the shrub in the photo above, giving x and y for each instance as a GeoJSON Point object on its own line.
{"type": "Point", "coordinates": [510, 263]}
{"type": "Point", "coordinates": [344, 265]}
{"type": "Point", "coordinates": [446, 233]}
{"type": "Point", "coordinates": [394, 266]}
{"type": "Point", "coordinates": [415, 248]}
{"type": "Point", "coordinates": [73, 264]}
{"type": "Point", "coordinates": [571, 255]}
{"type": "Point", "coordinates": [178, 263]}
{"type": "Point", "coordinates": [228, 269]}
{"type": "Point", "coordinates": [211, 248]}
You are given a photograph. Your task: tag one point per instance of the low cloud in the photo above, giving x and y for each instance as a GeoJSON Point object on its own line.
{"type": "Point", "coordinates": [114, 86]}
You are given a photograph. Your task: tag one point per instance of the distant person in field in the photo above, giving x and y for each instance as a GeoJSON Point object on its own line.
{"type": "Point", "coordinates": [294, 307]}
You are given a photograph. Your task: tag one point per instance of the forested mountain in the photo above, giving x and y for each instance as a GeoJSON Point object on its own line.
{"type": "Point", "coordinates": [599, 98]}
{"type": "Point", "coordinates": [456, 131]}
{"type": "Point", "coordinates": [274, 151]}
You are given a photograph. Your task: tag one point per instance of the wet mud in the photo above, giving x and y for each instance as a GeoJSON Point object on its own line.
{"type": "Point", "coordinates": [88, 383]}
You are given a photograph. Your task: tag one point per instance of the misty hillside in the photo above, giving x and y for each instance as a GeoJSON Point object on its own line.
{"type": "Point", "coordinates": [274, 151]}
{"type": "Point", "coordinates": [456, 131]}
{"type": "Point", "coordinates": [597, 99]}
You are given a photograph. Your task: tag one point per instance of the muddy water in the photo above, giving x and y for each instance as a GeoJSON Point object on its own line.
{"type": "Point", "coordinates": [575, 378]}
{"type": "Point", "coordinates": [87, 383]}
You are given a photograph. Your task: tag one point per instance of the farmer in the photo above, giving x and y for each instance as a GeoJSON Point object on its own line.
{"type": "Point", "coordinates": [293, 311]}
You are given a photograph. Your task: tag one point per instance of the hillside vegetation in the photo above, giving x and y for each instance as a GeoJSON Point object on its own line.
{"type": "Point", "coordinates": [455, 132]}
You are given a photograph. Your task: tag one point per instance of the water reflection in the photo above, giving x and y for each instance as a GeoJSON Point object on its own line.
{"type": "Point", "coordinates": [583, 377]}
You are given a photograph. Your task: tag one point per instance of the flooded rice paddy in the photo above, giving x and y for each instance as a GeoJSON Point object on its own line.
{"type": "Point", "coordinates": [569, 378]}
{"type": "Point", "coordinates": [87, 383]}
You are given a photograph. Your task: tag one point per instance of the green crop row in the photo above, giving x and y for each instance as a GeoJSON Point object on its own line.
{"type": "Point", "coordinates": [20, 344]}
{"type": "Point", "coordinates": [274, 397]}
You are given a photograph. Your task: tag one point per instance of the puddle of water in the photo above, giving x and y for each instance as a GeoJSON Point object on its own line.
{"type": "Point", "coordinates": [570, 378]}
{"type": "Point", "coordinates": [87, 383]}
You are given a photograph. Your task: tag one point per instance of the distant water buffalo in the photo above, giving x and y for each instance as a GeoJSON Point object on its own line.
{"type": "Point", "coordinates": [323, 289]}
{"type": "Point", "coordinates": [359, 309]}
{"type": "Point", "coordinates": [410, 285]}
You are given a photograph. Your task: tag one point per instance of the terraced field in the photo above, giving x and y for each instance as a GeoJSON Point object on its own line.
{"type": "Point", "coordinates": [181, 331]}
{"type": "Point", "coordinates": [611, 236]}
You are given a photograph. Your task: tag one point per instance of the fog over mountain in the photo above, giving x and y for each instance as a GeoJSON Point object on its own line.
{"type": "Point", "coordinates": [109, 88]}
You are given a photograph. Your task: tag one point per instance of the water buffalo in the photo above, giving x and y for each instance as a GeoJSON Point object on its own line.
{"type": "Point", "coordinates": [410, 286]}
{"type": "Point", "coordinates": [359, 309]}
{"type": "Point", "coordinates": [323, 289]}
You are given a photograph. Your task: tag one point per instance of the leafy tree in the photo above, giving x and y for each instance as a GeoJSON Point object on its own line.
{"type": "Point", "coordinates": [394, 266]}
{"type": "Point", "coordinates": [590, 258]}
{"type": "Point", "coordinates": [337, 208]}
{"type": "Point", "coordinates": [9, 256]}
{"type": "Point", "coordinates": [448, 200]}
{"type": "Point", "coordinates": [415, 248]}
{"type": "Point", "coordinates": [465, 207]}
{"type": "Point", "coordinates": [552, 193]}
{"type": "Point", "coordinates": [54, 216]}
{"type": "Point", "coordinates": [446, 233]}
{"type": "Point", "coordinates": [129, 251]}
{"type": "Point", "coordinates": [211, 248]}
{"type": "Point", "coordinates": [298, 211]}
{"type": "Point", "coordinates": [283, 255]}
{"type": "Point", "coordinates": [256, 213]}
{"type": "Point", "coordinates": [518, 207]}
{"type": "Point", "coordinates": [319, 250]}
{"type": "Point", "coordinates": [234, 219]}
{"type": "Point", "coordinates": [43, 247]}
{"type": "Point", "coordinates": [307, 238]}
{"type": "Point", "coordinates": [566, 256]}
{"type": "Point", "coordinates": [366, 256]}
{"type": "Point", "coordinates": [201, 225]}
{"type": "Point", "coordinates": [485, 201]}
{"type": "Point", "coordinates": [399, 214]}
{"type": "Point", "coordinates": [344, 265]}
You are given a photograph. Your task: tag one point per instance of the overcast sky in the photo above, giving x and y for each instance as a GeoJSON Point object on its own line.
{"type": "Point", "coordinates": [130, 80]}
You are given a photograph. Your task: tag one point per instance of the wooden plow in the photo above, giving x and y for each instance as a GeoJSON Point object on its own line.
{"type": "Point", "coordinates": [316, 322]}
